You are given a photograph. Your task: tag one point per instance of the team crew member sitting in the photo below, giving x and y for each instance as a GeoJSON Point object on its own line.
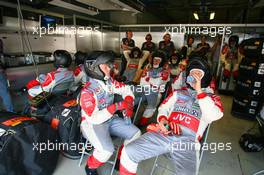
{"type": "Point", "coordinates": [134, 63]}
{"type": "Point", "coordinates": [79, 73]}
{"type": "Point", "coordinates": [148, 45]}
{"type": "Point", "coordinates": [182, 119]}
{"type": "Point", "coordinates": [189, 45]}
{"type": "Point", "coordinates": [153, 81]}
{"type": "Point", "coordinates": [167, 45]}
{"type": "Point", "coordinates": [51, 80]}
{"type": "Point", "coordinates": [127, 44]}
{"type": "Point", "coordinates": [147, 48]}
{"type": "Point", "coordinates": [203, 47]}
{"type": "Point", "coordinates": [99, 120]}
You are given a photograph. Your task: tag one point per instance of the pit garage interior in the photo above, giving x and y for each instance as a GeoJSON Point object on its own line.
{"type": "Point", "coordinates": [31, 30]}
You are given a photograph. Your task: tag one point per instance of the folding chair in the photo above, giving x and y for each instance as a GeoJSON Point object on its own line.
{"type": "Point", "coordinates": [113, 162]}
{"type": "Point", "coordinates": [200, 156]}
{"type": "Point", "coordinates": [117, 147]}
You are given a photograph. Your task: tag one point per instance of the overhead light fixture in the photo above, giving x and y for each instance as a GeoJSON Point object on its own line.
{"type": "Point", "coordinates": [212, 15]}
{"type": "Point", "coordinates": [125, 9]}
{"type": "Point", "coordinates": [195, 14]}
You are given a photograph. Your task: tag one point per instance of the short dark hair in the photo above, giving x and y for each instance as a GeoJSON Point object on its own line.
{"type": "Point", "coordinates": [128, 31]}
{"type": "Point", "coordinates": [190, 37]}
{"type": "Point", "coordinates": [148, 35]}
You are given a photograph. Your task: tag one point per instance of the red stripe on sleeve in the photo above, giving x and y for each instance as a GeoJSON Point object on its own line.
{"type": "Point", "coordinates": [217, 102]}
{"type": "Point", "coordinates": [32, 83]}
{"type": "Point", "coordinates": [50, 77]}
{"type": "Point", "coordinates": [201, 95]}
{"type": "Point", "coordinates": [77, 71]}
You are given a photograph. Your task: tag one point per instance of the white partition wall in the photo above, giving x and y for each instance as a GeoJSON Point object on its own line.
{"type": "Point", "coordinates": [107, 36]}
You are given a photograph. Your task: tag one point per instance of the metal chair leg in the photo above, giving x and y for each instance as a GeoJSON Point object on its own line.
{"type": "Point", "coordinates": [202, 151]}
{"type": "Point", "coordinates": [154, 165]}
{"type": "Point", "coordinates": [139, 104]}
{"type": "Point", "coordinates": [83, 152]}
{"type": "Point", "coordinates": [114, 162]}
{"type": "Point", "coordinates": [260, 172]}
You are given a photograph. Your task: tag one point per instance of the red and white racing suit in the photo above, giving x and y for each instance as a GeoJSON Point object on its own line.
{"type": "Point", "coordinates": [190, 111]}
{"type": "Point", "coordinates": [231, 58]}
{"type": "Point", "coordinates": [79, 75]}
{"type": "Point", "coordinates": [153, 83]}
{"type": "Point", "coordinates": [98, 122]}
{"type": "Point", "coordinates": [134, 65]}
{"type": "Point", "coordinates": [49, 81]}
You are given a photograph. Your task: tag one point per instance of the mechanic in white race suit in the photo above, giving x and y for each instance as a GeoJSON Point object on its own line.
{"type": "Point", "coordinates": [182, 119]}
{"type": "Point", "coordinates": [99, 120]}
{"type": "Point", "coordinates": [153, 81]}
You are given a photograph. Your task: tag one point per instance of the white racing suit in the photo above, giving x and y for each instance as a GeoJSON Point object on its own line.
{"type": "Point", "coordinates": [50, 81]}
{"type": "Point", "coordinates": [153, 84]}
{"type": "Point", "coordinates": [98, 124]}
{"type": "Point", "coordinates": [133, 64]}
{"type": "Point", "coordinates": [192, 113]}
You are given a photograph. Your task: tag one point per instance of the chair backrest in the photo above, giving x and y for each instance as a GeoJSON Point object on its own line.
{"type": "Point", "coordinates": [62, 87]}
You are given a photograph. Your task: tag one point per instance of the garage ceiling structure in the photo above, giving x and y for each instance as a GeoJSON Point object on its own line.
{"type": "Point", "coordinates": [226, 11]}
{"type": "Point", "coordinates": [157, 11]}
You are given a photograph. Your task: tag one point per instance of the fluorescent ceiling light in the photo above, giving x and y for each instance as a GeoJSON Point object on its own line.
{"type": "Point", "coordinates": [196, 16]}
{"type": "Point", "coordinates": [212, 15]}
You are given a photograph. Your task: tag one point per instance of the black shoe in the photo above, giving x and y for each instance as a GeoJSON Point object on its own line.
{"type": "Point", "coordinates": [90, 171]}
{"type": "Point", "coordinates": [117, 164]}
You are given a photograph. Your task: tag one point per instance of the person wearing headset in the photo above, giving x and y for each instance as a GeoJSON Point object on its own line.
{"type": "Point", "coordinates": [182, 120]}
{"type": "Point", "coordinates": [48, 82]}
{"type": "Point", "coordinates": [99, 118]}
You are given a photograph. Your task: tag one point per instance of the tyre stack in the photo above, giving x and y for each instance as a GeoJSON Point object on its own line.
{"type": "Point", "coordinates": [249, 90]}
